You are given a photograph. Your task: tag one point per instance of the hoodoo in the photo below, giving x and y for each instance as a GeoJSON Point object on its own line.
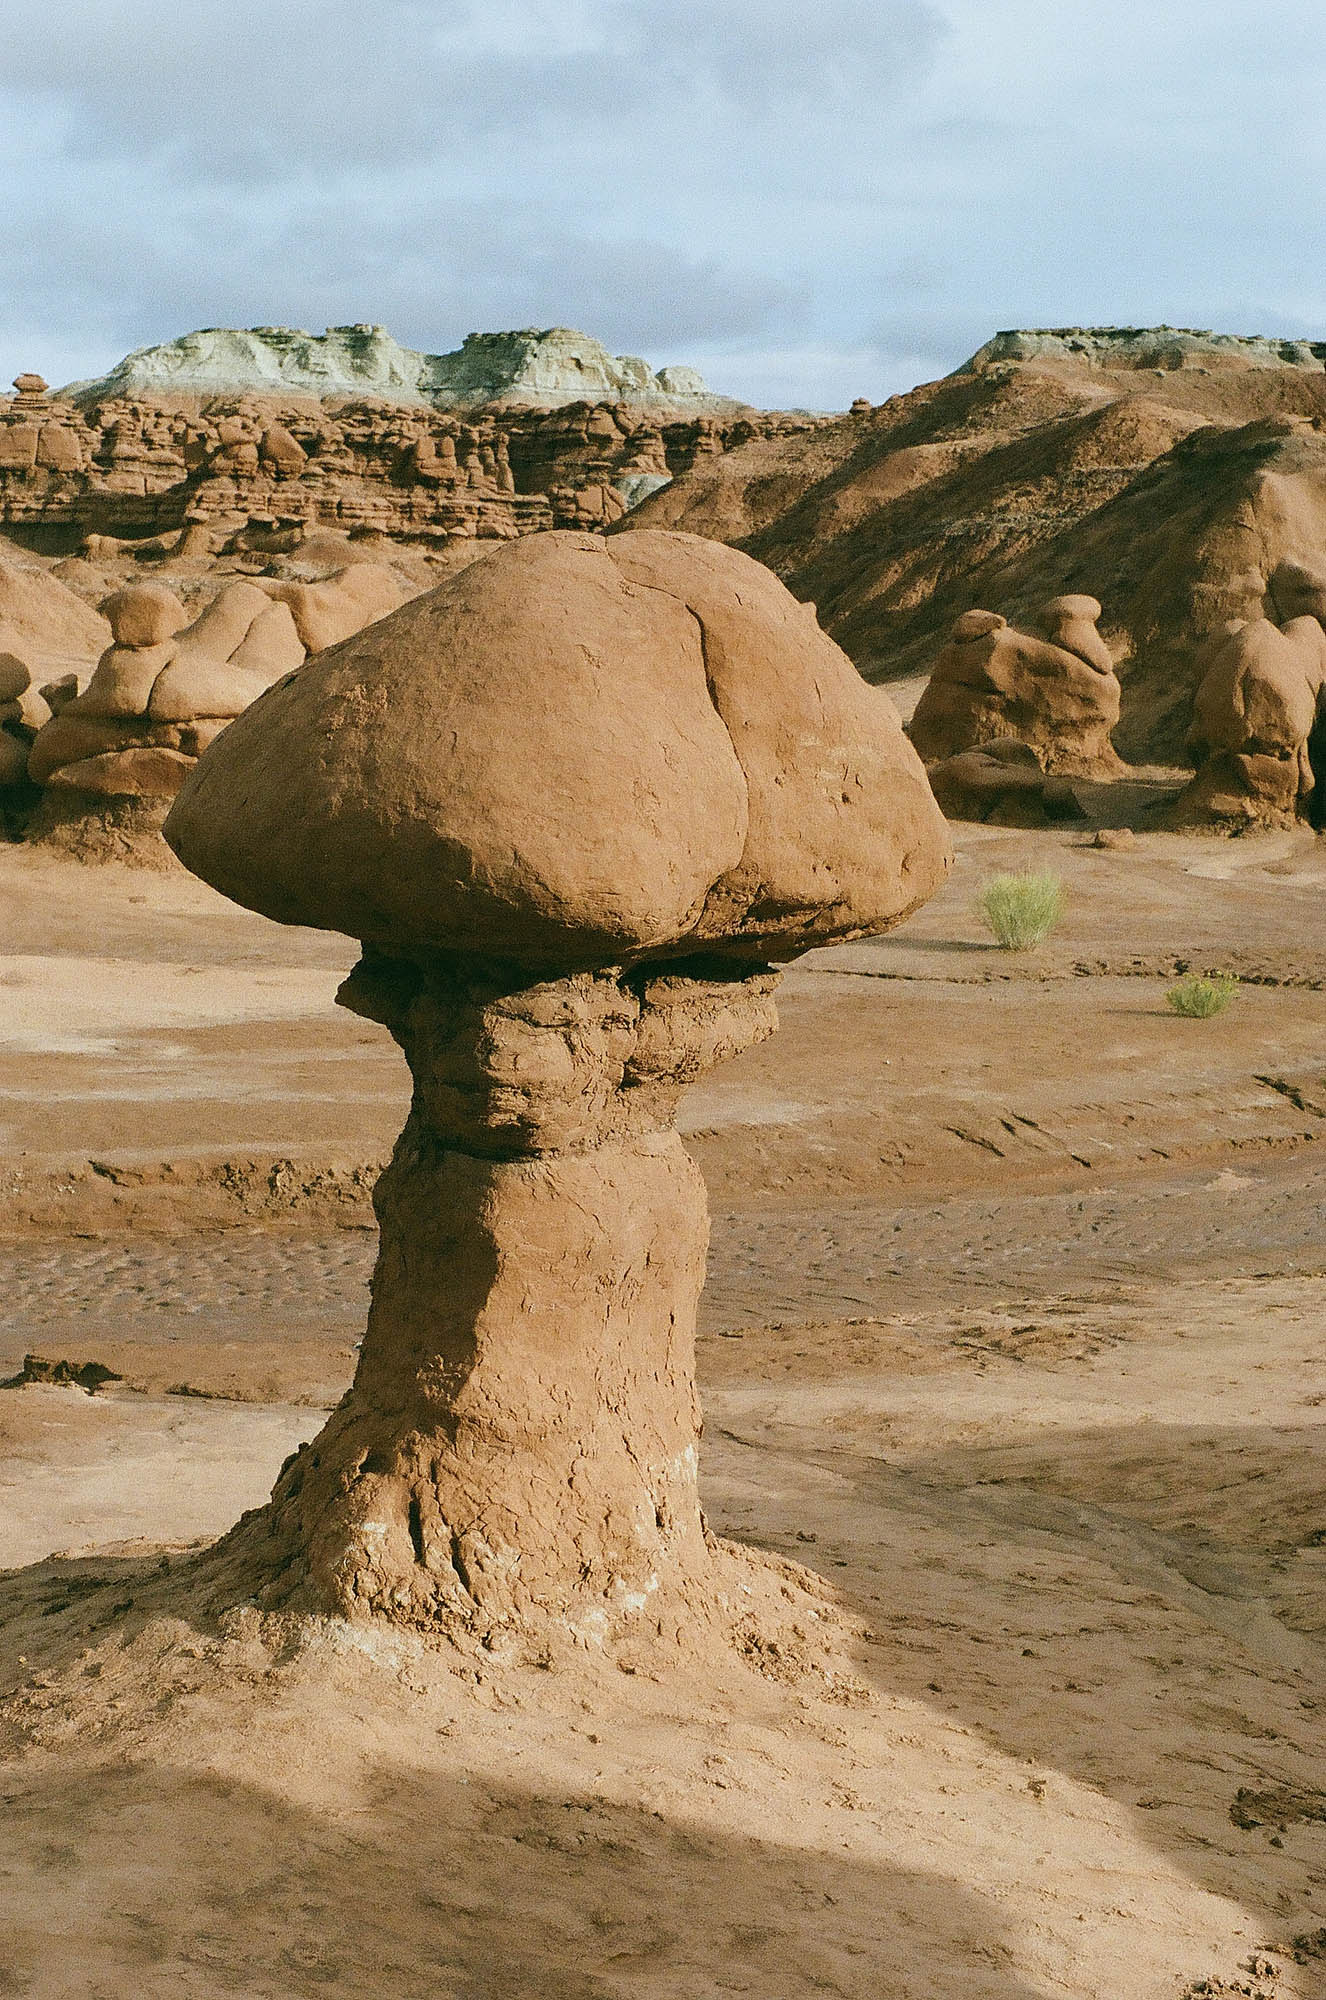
{"type": "Point", "coordinates": [575, 804]}
{"type": "Point", "coordinates": [1258, 733]}
{"type": "Point", "coordinates": [1059, 695]}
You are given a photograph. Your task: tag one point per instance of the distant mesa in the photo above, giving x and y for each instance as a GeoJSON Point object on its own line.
{"type": "Point", "coordinates": [547, 368]}
{"type": "Point", "coordinates": [1162, 347]}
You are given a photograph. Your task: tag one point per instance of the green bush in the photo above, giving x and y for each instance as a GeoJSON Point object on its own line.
{"type": "Point", "coordinates": [1198, 996]}
{"type": "Point", "coordinates": [1022, 909]}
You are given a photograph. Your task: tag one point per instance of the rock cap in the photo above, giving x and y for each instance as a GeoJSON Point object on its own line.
{"type": "Point", "coordinates": [575, 753]}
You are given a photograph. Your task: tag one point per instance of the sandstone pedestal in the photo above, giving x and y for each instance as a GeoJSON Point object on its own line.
{"type": "Point", "coordinates": [521, 1438]}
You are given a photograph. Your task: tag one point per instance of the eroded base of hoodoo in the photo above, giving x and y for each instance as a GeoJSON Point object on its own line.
{"type": "Point", "coordinates": [520, 1443]}
{"type": "Point", "coordinates": [522, 1432]}
{"type": "Point", "coordinates": [1240, 792]}
{"type": "Point", "coordinates": [93, 827]}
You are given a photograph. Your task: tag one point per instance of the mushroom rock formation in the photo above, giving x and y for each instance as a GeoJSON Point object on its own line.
{"type": "Point", "coordinates": [327, 612]}
{"type": "Point", "coordinates": [573, 803]}
{"type": "Point", "coordinates": [163, 690]}
{"type": "Point", "coordinates": [1258, 733]}
{"type": "Point", "coordinates": [1058, 694]}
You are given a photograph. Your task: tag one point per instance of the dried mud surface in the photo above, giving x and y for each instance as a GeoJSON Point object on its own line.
{"type": "Point", "coordinates": [1013, 1342]}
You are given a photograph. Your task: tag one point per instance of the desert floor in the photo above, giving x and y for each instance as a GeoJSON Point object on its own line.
{"type": "Point", "coordinates": [1015, 1339]}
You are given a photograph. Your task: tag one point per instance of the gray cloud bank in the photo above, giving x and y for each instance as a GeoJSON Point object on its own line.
{"type": "Point", "coordinates": [807, 202]}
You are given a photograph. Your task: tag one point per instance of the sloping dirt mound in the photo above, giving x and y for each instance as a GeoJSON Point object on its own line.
{"type": "Point", "coordinates": [45, 625]}
{"type": "Point", "coordinates": [1166, 493]}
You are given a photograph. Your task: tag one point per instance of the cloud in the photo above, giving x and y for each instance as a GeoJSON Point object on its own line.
{"type": "Point", "coordinates": [808, 202]}
{"type": "Point", "coordinates": [252, 89]}
{"type": "Point", "coordinates": [129, 278]}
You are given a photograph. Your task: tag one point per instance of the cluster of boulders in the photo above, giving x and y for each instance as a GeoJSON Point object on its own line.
{"type": "Point", "coordinates": [1009, 718]}
{"type": "Point", "coordinates": [166, 686]}
{"type": "Point", "coordinates": [1010, 722]}
{"type": "Point", "coordinates": [163, 690]}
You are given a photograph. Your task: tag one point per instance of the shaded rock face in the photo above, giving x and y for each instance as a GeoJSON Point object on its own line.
{"type": "Point", "coordinates": [1258, 734]}
{"type": "Point", "coordinates": [1058, 695]}
{"type": "Point", "coordinates": [22, 713]}
{"type": "Point", "coordinates": [571, 803]}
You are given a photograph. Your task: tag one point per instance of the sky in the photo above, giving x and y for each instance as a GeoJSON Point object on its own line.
{"type": "Point", "coordinates": [809, 200]}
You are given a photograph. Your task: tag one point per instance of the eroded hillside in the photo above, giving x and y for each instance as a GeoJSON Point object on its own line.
{"type": "Point", "coordinates": [1169, 491]}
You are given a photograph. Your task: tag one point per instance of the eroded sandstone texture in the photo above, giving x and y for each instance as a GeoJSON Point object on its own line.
{"type": "Point", "coordinates": [574, 802]}
{"type": "Point", "coordinates": [204, 467]}
{"type": "Point", "coordinates": [522, 1435]}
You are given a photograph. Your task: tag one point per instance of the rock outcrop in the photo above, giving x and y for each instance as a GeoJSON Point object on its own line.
{"type": "Point", "coordinates": [572, 803]}
{"type": "Point", "coordinates": [545, 367]}
{"type": "Point", "coordinates": [1258, 734]}
{"type": "Point", "coordinates": [1057, 695]}
{"type": "Point", "coordinates": [163, 690]}
{"type": "Point", "coordinates": [141, 465]}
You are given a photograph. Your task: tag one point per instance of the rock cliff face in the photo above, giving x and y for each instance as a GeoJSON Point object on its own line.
{"type": "Point", "coordinates": [550, 367]}
{"type": "Point", "coordinates": [135, 466]}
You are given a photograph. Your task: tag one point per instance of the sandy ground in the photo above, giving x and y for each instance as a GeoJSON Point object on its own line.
{"type": "Point", "coordinates": [1014, 1339]}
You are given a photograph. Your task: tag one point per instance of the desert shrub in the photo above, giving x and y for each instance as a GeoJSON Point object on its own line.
{"type": "Point", "coordinates": [1199, 995]}
{"type": "Point", "coordinates": [1022, 909]}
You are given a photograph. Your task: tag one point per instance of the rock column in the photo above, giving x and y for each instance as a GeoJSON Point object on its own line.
{"type": "Point", "coordinates": [520, 1439]}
